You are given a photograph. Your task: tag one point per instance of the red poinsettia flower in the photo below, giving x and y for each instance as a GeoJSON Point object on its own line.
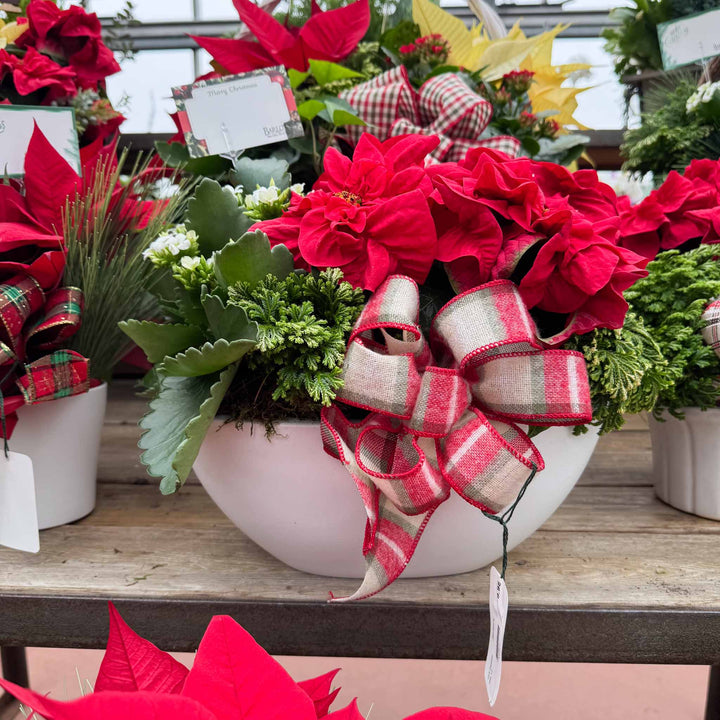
{"type": "Point", "coordinates": [474, 199]}
{"type": "Point", "coordinates": [232, 677]}
{"type": "Point", "coordinates": [682, 209]}
{"type": "Point", "coordinates": [36, 71]}
{"type": "Point", "coordinates": [577, 272]}
{"type": "Point", "coordinates": [369, 216]}
{"type": "Point", "coordinates": [582, 190]}
{"type": "Point", "coordinates": [72, 35]}
{"type": "Point", "coordinates": [330, 35]}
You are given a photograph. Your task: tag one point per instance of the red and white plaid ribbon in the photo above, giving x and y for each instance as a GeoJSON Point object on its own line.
{"type": "Point", "coordinates": [443, 415]}
{"type": "Point", "coordinates": [445, 106]}
{"type": "Point", "coordinates": [711, 330]}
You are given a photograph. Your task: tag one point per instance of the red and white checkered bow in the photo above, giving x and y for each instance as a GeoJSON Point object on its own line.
{"type": "Point", "coordinates": [445, 106]}
{"type": "Point", "coordinates": [444, 414]}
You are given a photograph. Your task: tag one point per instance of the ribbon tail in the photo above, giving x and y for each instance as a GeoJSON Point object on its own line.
{"type": "Point", "coordinates": [396, 538]}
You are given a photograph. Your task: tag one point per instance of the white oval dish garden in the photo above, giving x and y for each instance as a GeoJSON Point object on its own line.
{"type": "Point", "coordinates": [302, 506]}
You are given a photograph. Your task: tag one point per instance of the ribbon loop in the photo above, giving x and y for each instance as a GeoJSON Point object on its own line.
{"type": "Point", "coordinates": [442, 415]}
{"type": "Point", "coordinates": [444, 106]}
{"type": "Point", "coordinates": [30, 324]}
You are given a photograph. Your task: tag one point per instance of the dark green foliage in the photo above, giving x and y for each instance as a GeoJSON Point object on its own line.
{"type": "Point", "coordinates": [634, 42]}
{"type": "Point", "coordinates": [671, 301]}
{"type": "Point", "coordinates": [627, 371]}
{"type": "Point", "coordinates": [678, 8]}
{"type": "Point", "coordinates": [669, 137]}
{"type": "Point", "coordinates": [304, 322]}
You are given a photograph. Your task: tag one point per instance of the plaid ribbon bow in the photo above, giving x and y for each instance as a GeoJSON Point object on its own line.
{"type": "Point", "coordinates": [32, 323]}
{"type": "Point", "coordinates": [711, 330]}
{"type": "Point", "coordinates": [443, 414]}
{"type": "Point", "coordinates": [445, 106]}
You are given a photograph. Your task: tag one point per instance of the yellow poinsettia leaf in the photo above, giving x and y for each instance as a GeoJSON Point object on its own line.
{"type": "Point", "coordinates": [563, 100]}
{"type": "Point", "coordinates": [432, 19]}
{"type": "Point", "coordinates": [10, 32]}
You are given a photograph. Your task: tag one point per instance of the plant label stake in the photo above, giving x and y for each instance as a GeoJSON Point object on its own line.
{"type": "Point", "coordinates": [18, 509]}
{"type": "Point", "coordinates": [498, 617]}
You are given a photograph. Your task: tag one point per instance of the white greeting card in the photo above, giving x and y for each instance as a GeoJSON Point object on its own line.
{"type": "Point", "coordinates": [224, 116]}
{"type": "Point", "coordinates": [17, 124]}
{"type": "Point", "coordinates": [694, 38]}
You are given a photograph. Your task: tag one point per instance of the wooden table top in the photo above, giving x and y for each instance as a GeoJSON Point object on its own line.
{"type": "Point", "coordinates": [613, 576]}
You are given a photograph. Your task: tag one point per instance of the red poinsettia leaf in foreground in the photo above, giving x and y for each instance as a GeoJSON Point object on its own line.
{"type": "Point", "coordinates": [334, 34]}
{"type": "Point", "coordinates": [112, 706]}
{"type": "Point", "coordinates": [449, 713]}
{"type": "Point", "coordinates": [131, 663]}
{"type": "Point", "coordinates": [235, 678]}
{"type": "Point", "coordinates": [318, 689]}
{"type": "Point", "coordinates": [49, 181]}
{"type": "Point", "coordinates": [351, 712]}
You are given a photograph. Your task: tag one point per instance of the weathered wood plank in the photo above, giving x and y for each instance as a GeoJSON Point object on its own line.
{"type": "Point", "coordinates": [185, 549]}
{"type": "Point", "coordinates": [587, 509]}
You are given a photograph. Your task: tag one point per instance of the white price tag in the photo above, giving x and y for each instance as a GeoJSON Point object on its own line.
{"type": "Point", "coordinates": [18, 510]}
{"type": "Point", "coordinates": [498, 617]}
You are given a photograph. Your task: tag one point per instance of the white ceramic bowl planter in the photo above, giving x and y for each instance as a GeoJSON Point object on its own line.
{"type": "Point", "coordinates": [62, 437]}
{"type": "Point", "coordinates": [302, 506]}
{"type": "Point", "coordinates": [686, 461]}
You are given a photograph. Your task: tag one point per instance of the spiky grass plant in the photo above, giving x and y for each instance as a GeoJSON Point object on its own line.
{"type": "Point", "coordinates": [104, 247]}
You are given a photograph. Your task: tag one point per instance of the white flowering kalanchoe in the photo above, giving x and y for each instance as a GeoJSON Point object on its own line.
{"type": "Point", "coordinates": [195, 271]}
{"type": "Point", "coordinates": [706, 99]}
{"type": "Point", "coordinates": [266, 203]}
{"type": "Point", "coordinates": [171, 245]}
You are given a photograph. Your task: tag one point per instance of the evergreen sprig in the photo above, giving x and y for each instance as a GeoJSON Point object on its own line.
{"type": "Point", "coordinates": [304, 322]}
{"type": "Point", "coordinates": [626, 369]}
{"type": "Point", "coordinates": [669, 137]}
{"type": "Point", "coordinates": [671, 301]}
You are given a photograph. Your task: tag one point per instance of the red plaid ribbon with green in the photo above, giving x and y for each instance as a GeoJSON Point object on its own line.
{"type": "Point", "coordinates": [31, 324]}
{"type": "Point", "coordinates": [711, 330]}
{"type": "Point", "coordinates": [445, 106]}
{"type": "Point", "coordinates": [443, 415]}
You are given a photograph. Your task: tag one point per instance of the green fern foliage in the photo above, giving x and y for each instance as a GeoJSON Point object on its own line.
{"type": "Point", "coordinates": [304, 322]}
{"type": "Point", "coordinates": [671, 301]}
{"type": "Point", "coordinates": [627, 371]}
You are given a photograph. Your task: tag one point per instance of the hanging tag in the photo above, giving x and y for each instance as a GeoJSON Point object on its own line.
{"type": "Point", "coordinates": [498, 616]}
{"type": "Point", "coordinates": [18, 510]}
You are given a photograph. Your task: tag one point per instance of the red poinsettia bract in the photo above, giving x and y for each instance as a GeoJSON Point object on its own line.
{"type": "Point", "coordinates": [34, 72]}
{"type": "Point", "coordinates": [369, 216]}
{"type": "Point", "coordinates": [35, 216]}
{"type": "Point", "coordinates": [554, 233]}
{"type": "Point", "coordinates": [685, 208]}
{"type": "Point", "coordinates": [330, 35]}
{"type": "Point", "coordinates": [232, 677]}
{"type": "Point", "coordinates": [73, 36]}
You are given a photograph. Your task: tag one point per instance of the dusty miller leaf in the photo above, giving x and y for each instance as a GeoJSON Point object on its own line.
{"type": "Point", "coordinates": [177, 423]}
{"type": "Point", "coordinates": [158, 340]}
{"type": "Point", "coordinates": [207, 359]}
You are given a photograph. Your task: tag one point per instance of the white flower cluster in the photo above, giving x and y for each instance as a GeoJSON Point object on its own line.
{"type": "Point", "coordinates": [267, 195]}
{"type": "Point", "coordinates": [170, 244]}
{"type": "Point", "coordinates": [704, 94]}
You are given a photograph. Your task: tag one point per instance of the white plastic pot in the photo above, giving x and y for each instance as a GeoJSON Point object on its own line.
{"type": "Point", "coordinates": [686, 461]}
{"type": "Point", "coordinates": [62, 438]}
{"type": "Point", "coordinates": [302, 506]}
